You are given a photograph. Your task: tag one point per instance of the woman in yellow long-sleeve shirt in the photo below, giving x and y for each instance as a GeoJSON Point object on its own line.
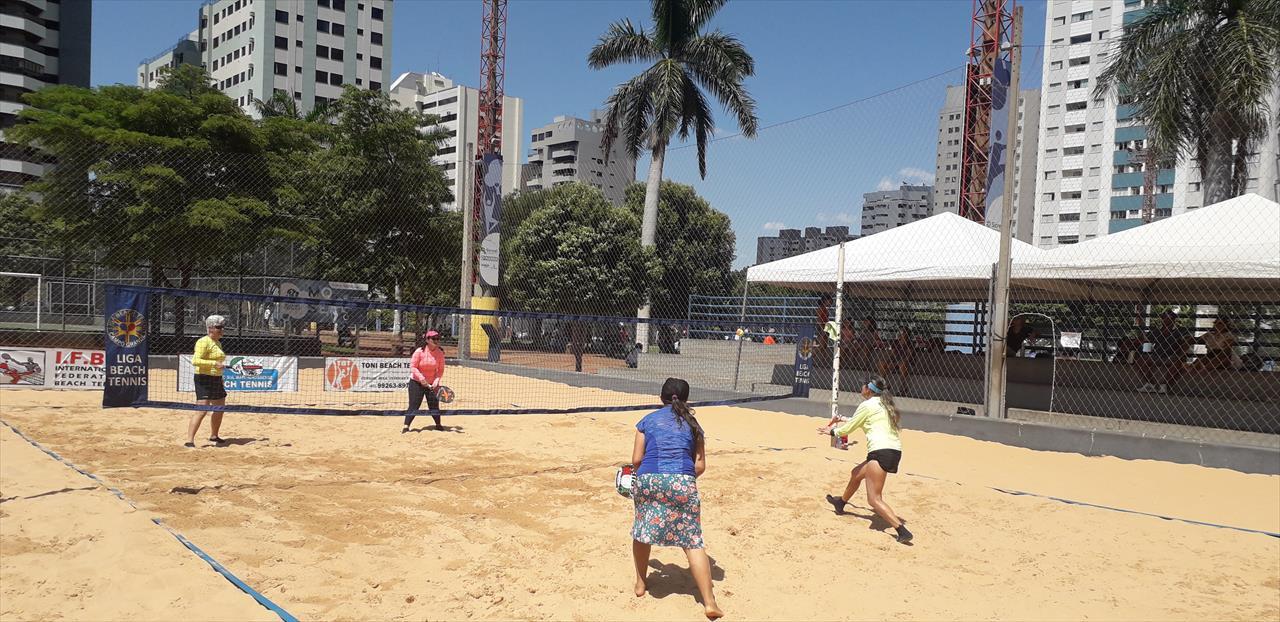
{"type": "Point", "coordinates": [878, 418]}
{"type": "Point", "coordinates": [208, 362]}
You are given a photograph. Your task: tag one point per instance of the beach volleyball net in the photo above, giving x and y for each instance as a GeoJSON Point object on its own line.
{"type": "Point", "coordinates": [291, 354]}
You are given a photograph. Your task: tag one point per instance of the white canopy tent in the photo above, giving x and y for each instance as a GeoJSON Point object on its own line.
{"type": "Point", "coordinates": [944, 258]}
{"type": "Point", "coordinates": [1227, 252]}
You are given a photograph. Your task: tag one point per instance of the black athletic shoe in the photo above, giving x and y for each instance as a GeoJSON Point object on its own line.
{"type": "Point", "coordinates": [904, 536]}
{"type": "Point", "coordinates": [837, 503]}
{"type": "Point", "coordinates": [191, 445]}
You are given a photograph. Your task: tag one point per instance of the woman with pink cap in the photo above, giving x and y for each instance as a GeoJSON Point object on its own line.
{"type": "Point", "coordinates": [426, 367]}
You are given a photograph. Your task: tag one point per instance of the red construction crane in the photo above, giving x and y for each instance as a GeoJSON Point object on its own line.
{"type": "Point", "coordinates": [493, 60]}
{"type": "Point", "coordinates": [989, 33]}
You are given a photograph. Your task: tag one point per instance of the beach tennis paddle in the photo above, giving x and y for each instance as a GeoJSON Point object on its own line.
{"type": "Point", "coordinates": [445, 394]}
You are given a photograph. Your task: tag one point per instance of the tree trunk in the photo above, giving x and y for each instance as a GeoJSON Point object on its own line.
{"type": "Point", "coordinates": [1215, 169]}
{"type": "Point", "coordinates": [1240, 168]}
{"type": "Point", "coordinates": [648, 233]}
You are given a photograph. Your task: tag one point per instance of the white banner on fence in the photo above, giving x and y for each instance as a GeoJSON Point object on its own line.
{"type": "Point", "coordinates": [365, 374]}
{"type": "Point", "coordinates": [22, 369]}
{"type": "Point", "coordinates": [55, 368]}
{"type": "Point", "coordinates": [247, 373]}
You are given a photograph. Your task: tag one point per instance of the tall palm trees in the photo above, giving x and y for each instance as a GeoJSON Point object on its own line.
{"type": "Point", "coordinates": [667, 98]}
{"type": "Point", "coordinates": [1199, 74]}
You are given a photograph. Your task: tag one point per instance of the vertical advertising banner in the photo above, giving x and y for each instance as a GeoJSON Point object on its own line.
{"type": "Point", "coordinates": [805, 346]}
{"type": "Point", "coordinates": [126, 339]}
{"type": "Point", "coordinates": [491, 205]}
{"type": "Point", "coordinates": [1001, 103]}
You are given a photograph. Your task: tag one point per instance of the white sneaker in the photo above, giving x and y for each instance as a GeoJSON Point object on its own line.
{"type": "Point", "coordinates": [1147, 388]}
{"type": "Point", "coordinates": [1164, 388]}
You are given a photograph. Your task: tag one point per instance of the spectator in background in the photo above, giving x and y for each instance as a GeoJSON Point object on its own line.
{"type": "Point", "coordinates": [1019, 333]}
{"type": "Point", "coordinates": [897, 355]}
{"type": "Point", "coordinates": [824, 316]}
{"type": "Point", "coordinates": [868, 342]}
{"type": "Point", "coordinates": [1220, 348]}
{"type": "Point", "coordinates": [1168, 354]}
{"type": "Point", "coordinates": [848, 343]}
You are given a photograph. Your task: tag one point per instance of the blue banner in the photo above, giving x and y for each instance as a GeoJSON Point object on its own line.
{"type": "Point", "coordinates": [126, 345]}
{"type": "Point", "coordinates": [806, 345]}
{"type": "Point", "coordinates": [1002, 104]}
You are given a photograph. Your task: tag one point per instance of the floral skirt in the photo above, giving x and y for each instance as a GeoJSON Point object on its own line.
{"type": "Point", "coordinates": [668, 510]}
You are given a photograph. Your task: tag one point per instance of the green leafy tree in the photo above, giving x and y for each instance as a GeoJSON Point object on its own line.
{"type": "Point", "coordinates": [694, 250]}
{"type": "Point", "coordinates": [376, 199]}
{"type": "Point", "coordinates": [1199, 73]}
{"type": "Point", "coordinates": [22, 235]}
{"type": "Point", "coordinates": [172, 178]}
{"type": "Point", "coordinates": [578, 254]}
{"type": "Point", "coordinates": [667, 98]}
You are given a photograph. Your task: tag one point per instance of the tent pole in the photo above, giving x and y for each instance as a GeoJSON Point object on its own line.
{"type": "Point", "coordinates": [742, 320]}
{"type": "Point", "coordinates": [835, 358]}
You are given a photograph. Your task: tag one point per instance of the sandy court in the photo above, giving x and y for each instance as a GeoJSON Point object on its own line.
{"type": "Point", "coordinates": [516, 517]}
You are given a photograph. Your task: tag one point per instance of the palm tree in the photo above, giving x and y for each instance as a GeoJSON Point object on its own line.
{"type": "Point", "coordinates": [1199, 74]}
{"type": "Point", "coordinates": [667, 98]}
{"type": "Point", "coordinates": [282, 105]}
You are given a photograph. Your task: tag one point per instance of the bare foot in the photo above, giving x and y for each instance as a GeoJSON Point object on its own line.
{"type": "Point", "coordinates": [641, 588]}
{"type": "Point", "coordinates": [713, 612]}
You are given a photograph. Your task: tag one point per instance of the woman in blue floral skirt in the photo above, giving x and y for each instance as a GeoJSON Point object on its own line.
{"type": "Point", "coordinates": [670, 453]}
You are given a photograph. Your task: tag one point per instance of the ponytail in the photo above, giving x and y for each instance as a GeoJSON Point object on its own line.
{"type": "Point", "coordinates": [676, 393]}
{"type": "Point", "coordinates": [880, 387]}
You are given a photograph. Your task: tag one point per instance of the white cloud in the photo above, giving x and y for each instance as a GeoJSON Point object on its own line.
{"type": "Point", "coordinates": [842, 218]}
{"type": "Point", "coordinates": [908, 175]}
{"type": "Point", "coordinates": [773, 226]}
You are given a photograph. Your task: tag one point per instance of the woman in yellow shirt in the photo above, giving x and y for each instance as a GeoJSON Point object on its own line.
{"type": "Point", "coordinates": [878, 418]}
{"type": "Point", "coordinates": [208, 362]}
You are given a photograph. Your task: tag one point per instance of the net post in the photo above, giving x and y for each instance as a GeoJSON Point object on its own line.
{"type": "Point", "coordinates": [742, 320]}
{"type": "Point", "coordinates": [835, 357]}
{"type": "Point", "coordinates": [468, 266]}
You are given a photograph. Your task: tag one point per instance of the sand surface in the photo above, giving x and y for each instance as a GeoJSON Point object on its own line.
{"type": "Point", "coordinates": [515, 517]}
{"type": "Point", "coordinates": [71, 550]}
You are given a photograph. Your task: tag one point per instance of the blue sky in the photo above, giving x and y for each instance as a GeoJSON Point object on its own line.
{"type": "Point", "coordinates": [881, 65]}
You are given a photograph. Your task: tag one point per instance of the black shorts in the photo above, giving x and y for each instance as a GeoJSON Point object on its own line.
{"type": "Point", "coordinates": [210, 387]}
{"type": "Point", "coordinates": [888, 459]}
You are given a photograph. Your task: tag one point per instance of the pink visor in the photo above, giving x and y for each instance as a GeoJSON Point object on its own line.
{"type": "Point", "coordinates": [431, 334]}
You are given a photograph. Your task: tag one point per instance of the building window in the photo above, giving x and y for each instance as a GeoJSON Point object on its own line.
{"type": "Point", "coordinates": [338, 29]}
{"type": "Point", "coordinates": [1059, 21]}
{"type": "Point", "coordinates": [375, 38]}
{"type": "Point", "coordinates": [1084, 38]}
{"type": "Point", "coordinates": [360, 82]}
{"type": "Point", "coordinates": [282, 69]}
{"type": "Point", "coordinates": [282, 17]}
{"type": "Point", "coordinates": [1077, 62]}
{"type": "Point", "coordinates": [375, 62]}
{"type": "Point", "coordinates": [1075, 217]}
{"type": "Point", "coordinates": [375, 86]}
{"type": "Point", "coordinates": [297, 69]}
{"type": "Point", "coordinates": [322, 77]}
{"type": "Point", "coordinates": [1068, 239]}
{"type": "Point", "coordinates": [335, 54]}
{"type": "Point", "coordinates": [1081, 17]}
{"type": "Point", "coordinates": [1073, 106]}
{"type": "Point", "coordinates": [297, 95]}
{"type": "Point", "coordinates": [322, 51]}
{"type": "Point", "coordinates": [322, 26]}
{"type": "Point", "coordinates": [282, 43]}
{"type": "Point", "coordinates": [335, 79]}
{"type": "Point", "coordinates": [323, 3]}
{"type": "Point", "coordinates": [376, 13]}
{"type": "Point", "coordinates": [339, 5]}
{"type": "Point", "coordinates": [1055, 65]}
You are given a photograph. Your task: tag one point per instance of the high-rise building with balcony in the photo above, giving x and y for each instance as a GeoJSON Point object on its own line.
{"type": "Point", "coordinates": [42, 43]}
{"type": "Point", "coordinates": [570, 149]}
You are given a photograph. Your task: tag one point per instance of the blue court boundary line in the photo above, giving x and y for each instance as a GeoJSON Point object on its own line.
{"type": "Point", "coordinates": [219, 568]}
{"type": "Point", "coordinates": [430, 309]}
{"type": "Point", "coordinates": [471, 412]}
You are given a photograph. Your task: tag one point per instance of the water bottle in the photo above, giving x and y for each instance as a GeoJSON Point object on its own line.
{"type": "Point", "coordinates": [1270, 365]}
